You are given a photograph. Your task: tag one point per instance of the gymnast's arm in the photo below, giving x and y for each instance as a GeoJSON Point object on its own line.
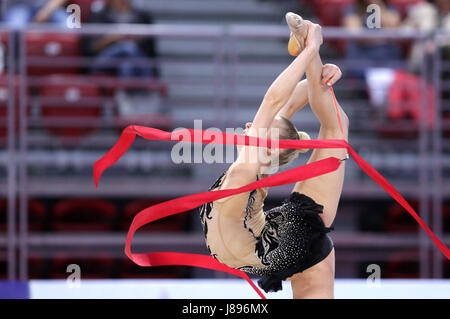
{"type": "Point", "coordinates": [247, 165]}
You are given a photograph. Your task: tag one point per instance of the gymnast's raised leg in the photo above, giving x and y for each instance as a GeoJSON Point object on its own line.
{"type": "Point", "coordinates": [318, 281]}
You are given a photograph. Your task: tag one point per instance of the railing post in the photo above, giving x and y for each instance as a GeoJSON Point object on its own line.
{"type": "Point", "coordinates": [437, 157]}
{"type": "Point", "coordinates": [424, 197]}
{"type": "Point", "coordinates": [23, 188]}
{"type": "Point", "coordinates": [11, 133]}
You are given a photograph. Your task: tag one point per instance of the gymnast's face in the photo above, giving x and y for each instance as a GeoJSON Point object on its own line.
{"type": "Point", "coordinates": [274, 132]}
{"type": "Point", "coordinates": [274, 129]}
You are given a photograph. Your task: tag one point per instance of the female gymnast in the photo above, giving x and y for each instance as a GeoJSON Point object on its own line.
{"type": "Point", "coordinates": [289, 242]}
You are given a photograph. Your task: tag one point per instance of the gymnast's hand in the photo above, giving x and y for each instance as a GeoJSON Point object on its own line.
{"type": "Point", "coordinates": [314, 39]}
{"type": "Point", "coordinates": [247, 126]}
{"type": "Point", "coordinates": [330, 74]}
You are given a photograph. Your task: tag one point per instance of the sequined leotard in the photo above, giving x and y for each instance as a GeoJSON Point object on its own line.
{"type": "Point", "coordinates": [275, 244]}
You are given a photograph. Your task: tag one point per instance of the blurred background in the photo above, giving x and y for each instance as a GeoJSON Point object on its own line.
{"type": "Point", "coordinates": [67, 90]}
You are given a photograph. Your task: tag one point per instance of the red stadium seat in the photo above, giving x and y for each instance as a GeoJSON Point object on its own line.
{"type": "Point", "coordinates": [330, 12]}
{"type": "Point", "coordinates": [64, 99]}
{"type": "Point", "coordinates": [52, 48]}
{"type": "Point", "coordinates": [83, 215]}
{"type": "Point", "coordinates": [446, 122]}
{"type": "Point", "coordinates": [404, 105]}
{"type": "Point", "coordinates": [446, 270]}
{"type": "Point", "coordinates": [98, 267]}
{"type": "Point", "coordinates": [392, 130]}
{"type": "Point", "coordinates": [3, 214]}
{"type": "Point", "coordinates": [398, 267]}
{"type": "Point", "coordinates": [399, 221]}
{"type": "Point", "coordinates": [37, 215]}
{"type": "Point", "coordinates": [176, 223]}
{"type": "Point", "coordinates": [446, 218]}
{"type": "Point", "coordinates": [4, 38]}
{"type": "Point", "coordinates": [37, 268]}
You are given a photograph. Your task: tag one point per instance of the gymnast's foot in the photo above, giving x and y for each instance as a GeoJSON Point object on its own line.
{"type": "Point", "coordinates": [299, 33]}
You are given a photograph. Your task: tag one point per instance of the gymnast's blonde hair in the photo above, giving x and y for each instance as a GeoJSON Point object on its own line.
{"type": "Point", "coordinates": [290, 132]}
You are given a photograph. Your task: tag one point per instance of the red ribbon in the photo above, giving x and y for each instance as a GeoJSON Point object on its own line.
{"type": "Point", "coordinates": [189, 202]}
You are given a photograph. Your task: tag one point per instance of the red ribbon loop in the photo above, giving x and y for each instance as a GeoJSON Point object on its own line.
{"type": "Point", "coordinates": [185, 203]}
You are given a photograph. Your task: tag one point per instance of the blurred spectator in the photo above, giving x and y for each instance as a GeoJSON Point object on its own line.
{"type": "Point", "coordinates": [119, 54]}
{"type": "Point", "coordinates": [426, 17]}
{"type": "Point", "coordinates": [406, 91]}
{"type": "Point", "coordinates": [22, 12]}
{"type": "Point", "coordinates": [355, 18]}
{"type": "Point", "coordinates": [124, 56]}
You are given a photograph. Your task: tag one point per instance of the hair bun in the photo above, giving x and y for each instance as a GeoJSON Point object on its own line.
{"type": "Point", "coordinates": [303, 136]}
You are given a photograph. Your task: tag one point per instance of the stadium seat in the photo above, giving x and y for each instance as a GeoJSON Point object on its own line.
{"type": "Point", "coordinates": [399, 221]}
{"type": "Point", "coordinates": [400, 266]}
{"type": "Point", "coordinates": [37, 268]}
{"type": "Point", "coordinates": [446, 217]}
{"type": "Point", "coordinates": [330, 12]}
{"type": "Point", "coordinates": [98, 267]}
{"type": "Point", "coordinates": [392, 130]}
{"type": "Point", "coordinates": [52, 49]}
{"type": "Point", "coordinates": [65, 99]}
{"type": "Point", "coordinates": [404, 98]}
{"type": "Point", "coordinates": [37, 215]}
{"type": "Point", "coordinates": [446, 270]}
{"type": "Point", "coordinates": [446, 123]}
{"type": "Point", "coordinates": [176, 223]}
{"type": "Point", "coordinates": [4, 37]}
{"type": "Point", "coordinates": [83, 215]}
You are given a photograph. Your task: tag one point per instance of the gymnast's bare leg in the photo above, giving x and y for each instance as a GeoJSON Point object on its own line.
{"type": "Point", "coordinates": [318, 281]}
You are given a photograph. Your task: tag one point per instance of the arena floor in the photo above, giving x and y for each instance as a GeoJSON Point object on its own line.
{"type": "Point", "coordinates": [230, 288]}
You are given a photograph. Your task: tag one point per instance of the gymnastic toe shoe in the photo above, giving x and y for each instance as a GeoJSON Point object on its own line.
{"type": "Point", "coordinates": [299, 33]}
